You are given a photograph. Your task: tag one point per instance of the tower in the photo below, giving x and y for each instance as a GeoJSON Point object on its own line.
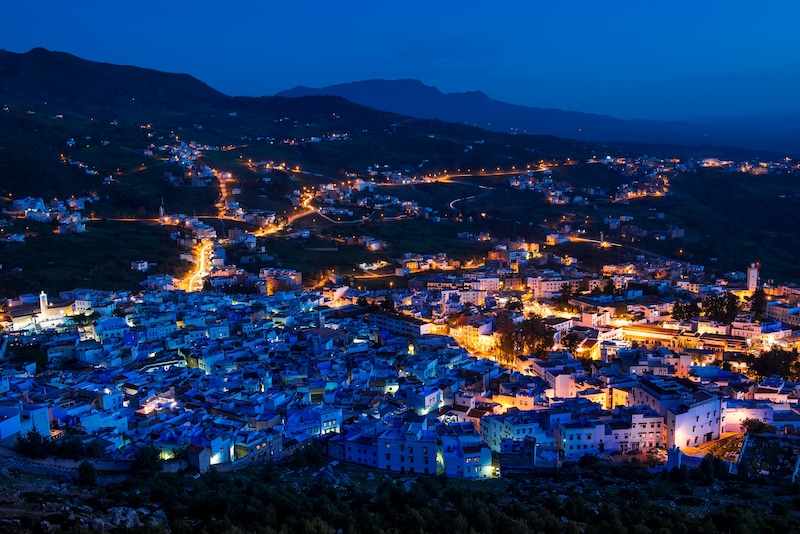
{"type": "Point", "coordinates": [43, 304]}
{"type": "Point", "coordinates": [752, 277]}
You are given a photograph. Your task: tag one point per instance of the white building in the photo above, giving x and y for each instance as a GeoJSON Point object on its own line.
{"type": "Point", "coordinates": [500, 431]}
{"type": "Point", "coordinates": [464, 453]}
{"type": "Point", "coordinates": [692, 415]}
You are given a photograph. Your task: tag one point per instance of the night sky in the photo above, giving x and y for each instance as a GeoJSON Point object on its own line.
{"type": "Point", "coordinates": [673, 59]}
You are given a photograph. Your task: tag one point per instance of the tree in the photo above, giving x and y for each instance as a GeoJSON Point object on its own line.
{"type": "Point", "coordinates": [682, 311]}
{"type": "Point", "coordinates": [94, 449]}
{"type": "Point", "coordinates": [85, 319]}
{"type": "Point", "coordinates": [514, 304]}
{"type": "Point", "coordinates": [778, 362]}
{"type": "Point", "coordinates": [756, 426]}
{"type": "Point", "coordinates": [679, 474]}
{"type": "Point", "coordinates": [147, 461]}
{"type": "Point", "coordinates": [685, 311]}
{"type": "Point", "coordinates": [536, 336]}
{"type": "Point", "coordinates": [758, 304]}
{"type": "Point", "coordinates": [731, 307]}
{"type": "Point", "coordinates": [571, 341]}
{"type": "Point", "coordinates": [71, 448]}
{"type": "Point", "coordinates": [712, 468]}
{"type": "Point", "coordinates": [714, 307]}
{"type": "Point", "coordinates": [387, 303]}
{"type": "Point", "coordinates": [33, 444]}
{"type": "Point", "coordinates": [87, 474]}
{"type": "Point", "coordinates": [506, 339]}
{"type": "Point", "coordinates": [721, 308]}
{"type": "Point", "coordinates": [610, 288]}
{"type": "Point", "coordinates": [562, 302]}
{"type": "Point", "coordinates": [28, 354]}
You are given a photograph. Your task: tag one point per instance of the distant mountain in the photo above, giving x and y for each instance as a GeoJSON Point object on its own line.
{"type": "Point", "coordinates": [415, 99]}
{"type": "Point", "coordinates": [59, 78]}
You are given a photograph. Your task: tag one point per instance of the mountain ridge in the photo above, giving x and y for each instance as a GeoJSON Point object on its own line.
{"type": "Point", "coordinates": [414, 98]}
{"type": "Point", "coordinates": [84, 86]}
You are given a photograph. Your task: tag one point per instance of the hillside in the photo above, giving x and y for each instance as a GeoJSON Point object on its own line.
{"type": "Point", "coordinates": [89, 138]}
{"type": "Point", "coordinates": [63, 80]}
{"type": "Point", "coordinates": [52, 97]}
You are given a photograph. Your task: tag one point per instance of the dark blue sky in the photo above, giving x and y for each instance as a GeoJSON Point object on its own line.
{"type": "Point", "coordinates": [632, 59]}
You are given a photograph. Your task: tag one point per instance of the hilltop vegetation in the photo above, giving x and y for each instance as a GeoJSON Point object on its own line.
{"type": "Point", "coordinates": [305, 495]}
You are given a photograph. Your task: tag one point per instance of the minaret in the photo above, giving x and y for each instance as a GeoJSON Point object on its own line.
{"type": "Point", "coordinates": [43, 305]}
{"type": "Point", "coordinates": [161, 211]}
{"type": "Point", "coordinates": [752, 277]}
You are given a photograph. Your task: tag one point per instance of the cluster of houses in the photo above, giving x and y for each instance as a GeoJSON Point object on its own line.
{"type": "Point", "coordinates": [84, 167]}
{"type": "Point", "coordinates": [412, 386]}
{"type": "Point", "coordinates": [65, 213]}
{"type": "Point", "coordinates": [645, 176]}
{"type": "Point", "coordinates": [784, 166]}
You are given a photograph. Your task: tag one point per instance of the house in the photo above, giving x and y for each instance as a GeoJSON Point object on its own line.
{"type": "Point", "coordinates": [501, 431]}
{"type": "Point", "coordinates": [692, 415]}
{"type": "Point", "coordinates": [199, 457]}
{"type": "Point", "coordinates": [464, 453]}
{"type": "Point", "coordinates": [408, 448]}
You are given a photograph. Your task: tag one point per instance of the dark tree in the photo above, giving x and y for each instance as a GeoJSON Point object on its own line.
{"type": "Point", "coordinates": [71, 448]}
{"type": "Point", "coordinates": [387, 303]}
{"type": "Point", "coordinates": [514, 304]}
{"type": "Point", "coordinates": [507, 339]}
{"type": "Point", "coordinates": [758, 304]}
{"type": "Point", "coordinates": [94, 449]}
{"type": "Point", "coordinates": [571, 341]}
{"type": "Point", "coordinates": [537, 337]}
{"type": "Point", "coordinates": [87, 474]}
{"type": "Point", "coordinates": [28, 354]}
{"type": "Point", "coordinates": [680, 311]}
{"type": "Point", "coordinates": [731, 307]}
{"type": "Point", "coordinates": [694, 309]}
{"type": "Point", "coordinates": [147, 461]}
{"type": "Point", "coordinates": [714, 307]}
{"type": "Point", "coordinates": [756, 426]}
{"type": "Point", "coordinates": [775, 362]}
{"type": "Point", "coordinates": [562, 302]}
{"type": "Point", "coordinates": [33, 444]}
{"type": "Point", "coordinates": [610, 288]}
{"type": "Point", "coordinates": [721, 308]}
{"type": "Point", "coordinates": [712, 468]}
